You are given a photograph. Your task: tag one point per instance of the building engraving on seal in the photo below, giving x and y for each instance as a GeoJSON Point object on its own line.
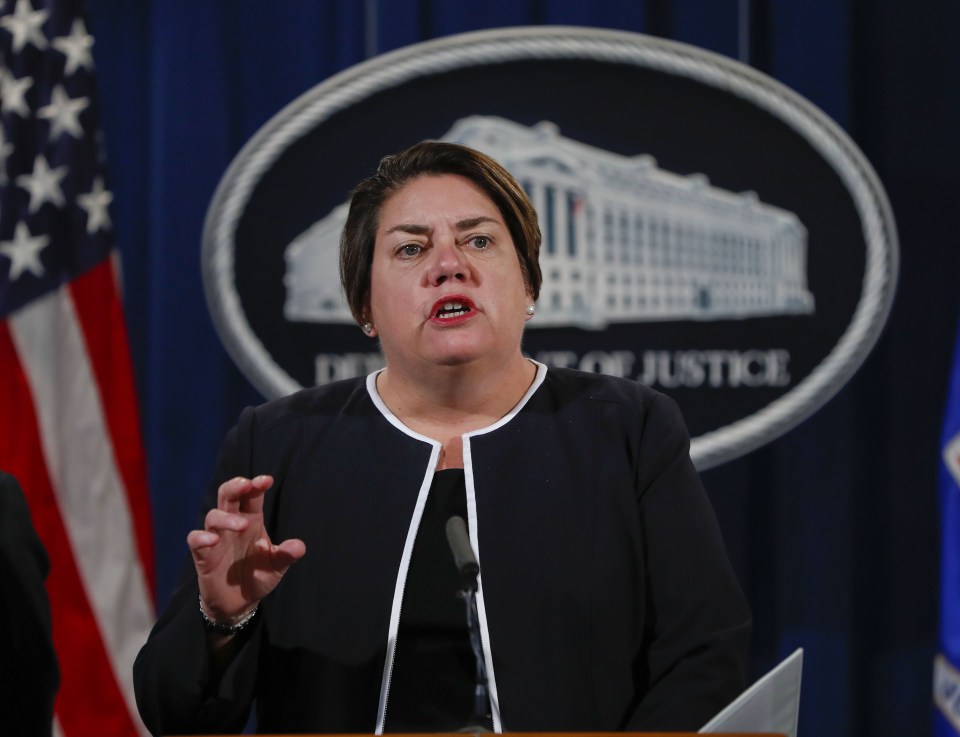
{"type": "Point", "coordinates": [623, 241]}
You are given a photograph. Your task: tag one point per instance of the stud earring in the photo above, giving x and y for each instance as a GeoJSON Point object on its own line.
{"type": "Point", "coordinates": [367, 327]}
{"type": "Point", "coordinates": [531, 309]}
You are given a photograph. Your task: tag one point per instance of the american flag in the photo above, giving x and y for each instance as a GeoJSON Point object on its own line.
{"type": "Point", "coordinates": [69, 429]}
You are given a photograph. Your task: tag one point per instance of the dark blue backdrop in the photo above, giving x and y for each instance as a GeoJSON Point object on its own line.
{"type": "Point", "coordinates": [833, 527]}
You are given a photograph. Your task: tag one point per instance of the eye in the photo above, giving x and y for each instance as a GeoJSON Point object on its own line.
{"type": "Point", "coordinates": [409, 250]}
{"type": "Point", "coordinates": [480, 242]}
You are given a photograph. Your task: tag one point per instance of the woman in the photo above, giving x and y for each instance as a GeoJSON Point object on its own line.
{"type": "Point", "coordinates": [606, 600]}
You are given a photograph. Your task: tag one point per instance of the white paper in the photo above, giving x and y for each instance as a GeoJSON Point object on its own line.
{"type": "Point", "coordinates": [772, 704]}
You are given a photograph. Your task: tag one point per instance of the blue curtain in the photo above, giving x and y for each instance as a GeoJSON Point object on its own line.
{"type": "Point", "coordinates": [832, 528]}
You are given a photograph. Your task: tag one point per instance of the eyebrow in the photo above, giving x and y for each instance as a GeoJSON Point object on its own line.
{"type": "Point", "coordinates": [474, 222]}
{"type": "Point", "coordinates": [415, 229]}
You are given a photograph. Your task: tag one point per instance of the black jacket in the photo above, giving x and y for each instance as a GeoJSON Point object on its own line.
{"type": "Point", "coordinates": [607, 601]}
{"type": "Point", "coordinates": [29, 673]}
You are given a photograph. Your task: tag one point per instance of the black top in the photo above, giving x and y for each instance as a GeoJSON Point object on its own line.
{"type": "Point", "coordinates": [432, 685]}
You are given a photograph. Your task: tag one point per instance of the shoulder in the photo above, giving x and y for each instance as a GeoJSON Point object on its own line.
{"type": "Point", "coordinates": [268, 436]}
{"type": "Point", "coordinates": [618, 404]}
{"type": "Point", "coordinates": [329, 399]}
{"type": "Point", "coordinates": [620, 415]}
{"type": "Point", "coordinates": [18, 537]}
{"type": "Point", "coordinates": [15, 512]}
{"type": "Point", "coordinates": [631, 395]}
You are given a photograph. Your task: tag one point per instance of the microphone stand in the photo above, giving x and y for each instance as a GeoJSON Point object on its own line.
{"type": "Point", "coordinates": [481, 698]}
{"type": "Point", "coordinates": [469, 569]}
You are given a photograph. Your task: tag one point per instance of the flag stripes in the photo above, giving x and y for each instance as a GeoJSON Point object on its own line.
{"type": "Point", "coordinates": [96, 299]}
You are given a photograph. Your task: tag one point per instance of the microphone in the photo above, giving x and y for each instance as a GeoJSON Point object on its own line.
{"type": "Point", "coordinates": [463, 556]}
{"type": "Point", "coordinates": [469, 568]}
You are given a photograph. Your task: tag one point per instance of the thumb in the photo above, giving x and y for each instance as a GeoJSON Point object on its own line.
{"type": "Point", "coordinates": [287, 553]}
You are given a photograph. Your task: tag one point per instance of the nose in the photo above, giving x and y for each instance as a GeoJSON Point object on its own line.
{"type": "Point", "coordinates": [449, 264]}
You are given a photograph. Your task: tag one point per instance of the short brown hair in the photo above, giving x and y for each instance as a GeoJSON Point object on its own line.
{"type": "Point", "coordinates": [432, 158]}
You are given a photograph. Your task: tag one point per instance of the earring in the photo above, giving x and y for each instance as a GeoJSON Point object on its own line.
{"type": "Point", "coordinates": [531, 309]}
{"type": "Point", "coordinates": [367, 327]}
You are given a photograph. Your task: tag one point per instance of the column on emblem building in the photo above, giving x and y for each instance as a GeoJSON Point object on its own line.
{"type": "Point", "coordinates": [760, 243]}
{"type": "Point", "coordinates": [747, 270]}
{"type": "Point", "coordinates": [624, 259]}
{"type": "Point", "coordinates": [781, 290]}
{"type": "Point", "coordinates": [679, 274]}
{"type": "Point", "coordinates": [726, 272]}
{"type": "Point", "coordinates": [663, 260]}
{"type": "Point", "coordinates": [743, 267]}
{"type": "Point", "coordinates": [643, 256]}
{"type": "Point", "coordinates": [674, 273]}
{"type": "Point", "coordinates": [776, 295]}
{"type": "Point", "coordinates": [800, 268]}
{"type": "Point", "coordinates": [592, 249]}
{"type": "Point", "coordinates": [702, 256]}
{"type": "Point", "coordinates": [581, 258]}
{"type": "Point", "coordinates": [690, 267]}
{"type": "Point", "coordinates": [557, 211]}
{"type": "Point", "coordinates": [605, 254]}
{"type": "Point", "coordinates": [579, 272]}
{"type": "Point", "coordinates": [764, 243]}
{"type": "Point", "coordinates": [636, 246]}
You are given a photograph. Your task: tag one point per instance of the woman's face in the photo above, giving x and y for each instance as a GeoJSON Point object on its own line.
{"type": "Point", "coordinates": [446, 286]}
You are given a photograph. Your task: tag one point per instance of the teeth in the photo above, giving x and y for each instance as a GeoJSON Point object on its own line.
{"type": "Point", "coordinates": [451, 309]}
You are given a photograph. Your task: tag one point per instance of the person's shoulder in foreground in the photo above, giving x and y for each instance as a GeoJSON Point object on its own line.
{"type": "Point", "coordinates": [26, 646]}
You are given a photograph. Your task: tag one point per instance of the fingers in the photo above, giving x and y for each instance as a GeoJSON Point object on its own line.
{"type": "Point", "coordinates": [203, 549]}
{"type": "Point", "coordinates": [242, 494]}
{"type": "Point", "coordinates": [199, 539]}
{"type": "Point", "coordinates": [218, 520]}
{"type": "Point", "coordinates": [237, 499]}
{"type": "Point", "coordinates": [215, 524]}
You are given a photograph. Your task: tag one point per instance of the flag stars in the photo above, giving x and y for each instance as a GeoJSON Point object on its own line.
{"type": "Point", "coordinates": [64, 113]}
{"type": "Point", "coordinates": [96, 203]}
{"type": "Point", "coordinates": [25, 26]}
{"type": "Point", "coordinates": [24, 252]}
{"type": "Point", "coordinates": [12, 93]}
{"type": "Point", "coordinates": [77, 47]}
{"type": "Point", "coordinates": [43, 184]}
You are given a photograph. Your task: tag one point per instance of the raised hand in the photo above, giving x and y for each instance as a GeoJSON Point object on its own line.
{"type": "Point", "coordinates": [237, 563]}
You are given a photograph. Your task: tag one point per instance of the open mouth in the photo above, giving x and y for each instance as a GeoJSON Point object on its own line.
{"type": "Point", "coordinates": [451, 310]}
